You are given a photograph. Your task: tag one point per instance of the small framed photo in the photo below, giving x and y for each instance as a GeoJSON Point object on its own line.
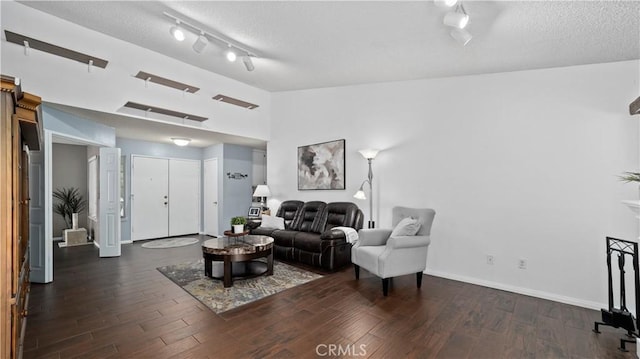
{"type": "Point", "coordinates": [254, 212]}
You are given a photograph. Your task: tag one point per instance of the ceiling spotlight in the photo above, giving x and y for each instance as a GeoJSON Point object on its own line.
{"type": "Point", "coordinates": [201, 43]}
{"type": "Point", "coordinates": [231, 55]}
{"type": "Point", "coordinates": [177, 32]}
{"type": "Point", "coordinates": [248, 63]}
{"type": "Point", "coordinates": [180, 141]}
{"type": "Point", "coordinates": [445, 3]}
{"type": "Point", "coordinates": [461, 35]}
{"type": "Point", "coordinates": [458, 18]}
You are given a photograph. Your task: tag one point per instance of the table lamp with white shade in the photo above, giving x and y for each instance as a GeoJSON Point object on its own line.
{"type": "Point", "coordinates": [262, 191]}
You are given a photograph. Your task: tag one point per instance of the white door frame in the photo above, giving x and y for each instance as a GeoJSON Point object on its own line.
{"type": "Point", "coordinates": [48, 193]}
{"type": "Point", "coordinates": [216, 176]}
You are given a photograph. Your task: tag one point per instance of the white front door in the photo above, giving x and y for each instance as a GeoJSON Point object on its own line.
{"type": "Point", "coordinates": [150, 200]}
{"type": "Point", "coordinates": [184, 197]}
{"type": "Point", "coordinates": [211, 196]}
{"type": "Point", "coordinates": [109, 202]}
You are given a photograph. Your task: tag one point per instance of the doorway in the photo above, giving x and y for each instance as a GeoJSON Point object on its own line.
{"type": "Point", "coordinates": [165, 197]}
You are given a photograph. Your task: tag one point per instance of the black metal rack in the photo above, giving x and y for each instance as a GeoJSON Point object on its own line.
{"type": "Point", "coordinates": [621, 317]}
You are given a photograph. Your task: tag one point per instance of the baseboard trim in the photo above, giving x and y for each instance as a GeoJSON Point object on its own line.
{"type": "Point", "coordinates": [520, 290]}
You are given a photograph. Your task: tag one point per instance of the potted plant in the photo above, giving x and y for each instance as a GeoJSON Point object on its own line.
{"type": "Point", "coordinates": [634, 205]}
{"type": "Point", "coordinates": [630, 177]}
{"type": "Point", "coordinates": [238, 224]}
{"type": "Point", "coordinates": [70, 203]}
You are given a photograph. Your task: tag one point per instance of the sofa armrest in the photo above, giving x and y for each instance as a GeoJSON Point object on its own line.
{"type": "Point", "coordinates": [408, 242]}
{"type": "Point", "coordinates": [333, 234]}
{"type": "Point", "coordinates": [252, 224]}
{"type": "Point", "coordinates": [373, 236]}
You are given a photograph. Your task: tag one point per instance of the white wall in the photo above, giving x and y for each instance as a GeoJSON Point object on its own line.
{"type": "Point", "coordinates": [516, 165]}
{"type": "Point", "coordinates": [60, 80]}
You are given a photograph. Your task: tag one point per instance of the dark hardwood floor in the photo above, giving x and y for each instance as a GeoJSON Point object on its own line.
{"type": "Point", "coordinates": [123, 307]}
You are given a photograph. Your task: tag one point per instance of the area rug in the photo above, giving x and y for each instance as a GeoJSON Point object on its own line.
{"type": "Point", "coordinates": [210, 292]}
{"type": "Point", "coordinates": [170, 242]}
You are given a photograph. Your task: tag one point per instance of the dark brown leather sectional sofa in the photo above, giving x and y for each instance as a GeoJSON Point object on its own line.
{"type": "Point", "coordinates": [309, 236]}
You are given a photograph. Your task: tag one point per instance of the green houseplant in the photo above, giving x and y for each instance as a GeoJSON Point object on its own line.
{"type": "Point", "coordinates": [70, 202]}
{"type": "Point", "coordinates": [238, 224]}
{"type": "Point", "coordinates": [630, 177]}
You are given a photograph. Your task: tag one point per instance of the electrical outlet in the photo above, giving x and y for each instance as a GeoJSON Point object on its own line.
{"type": "Point", "coordinates": [522, 263]}
{"type": "Point", "coordinates": [489, 259]}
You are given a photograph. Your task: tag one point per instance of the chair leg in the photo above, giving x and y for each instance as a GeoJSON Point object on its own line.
{"type": "Point", "coordinates": [419, 279]}
{"type": "Point", "coordinates": [385, 286]}
{"type": "Point", "coordinates": [357, 269]}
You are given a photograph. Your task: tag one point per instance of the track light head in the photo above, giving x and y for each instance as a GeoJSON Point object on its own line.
{"type": "Point", "coordinates": [231, 55]}
{"type": "Point", "coordinates": [456, 19]}
{"type": "Point", "coordinates": [177, 32]}
{"type": "Point", "coordinates": [461, 35]}
{"type": "Point", "coordinates": [445, 3]}
{"type": "Point", "coordinates": [200, 44]}
{"type": "Point", "coordinates": [248, 63]}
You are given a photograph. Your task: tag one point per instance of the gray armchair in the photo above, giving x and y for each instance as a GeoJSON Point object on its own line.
{"type": "Point", "coordinates": [388, 257]}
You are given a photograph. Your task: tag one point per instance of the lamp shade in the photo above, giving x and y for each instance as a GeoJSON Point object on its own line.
{"type": "Point", "coordinates": [369, 153]}
{"type": "Point", "coordinates": [360, 195]}
{"type": "Point", "coordinates": [262, 190]}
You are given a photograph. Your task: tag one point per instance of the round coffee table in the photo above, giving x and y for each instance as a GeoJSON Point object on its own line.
{"type": "Point", "coordinates": [238, 257]}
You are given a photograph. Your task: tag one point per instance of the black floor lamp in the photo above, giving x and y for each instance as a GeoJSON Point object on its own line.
{"type": "Point", "coordinates": [369, 154]}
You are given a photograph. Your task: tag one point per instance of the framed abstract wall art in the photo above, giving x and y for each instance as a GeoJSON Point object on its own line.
{"type": "Point", "coordinates": [321, 166]}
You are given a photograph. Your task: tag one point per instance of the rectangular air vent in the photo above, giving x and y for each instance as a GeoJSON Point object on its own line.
{"type": "Point", "coordinates": [166, 82]}
{"type": "Point", "coordinates": [53, 49]}
{"type": "Point", "coordinates": [164, 111]}
{"type": "Point", "coordinates": [235, 101]}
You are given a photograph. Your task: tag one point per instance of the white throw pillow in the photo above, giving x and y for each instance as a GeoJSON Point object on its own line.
{"type": "Point", "coordinates": [272, 222]}
{"type": "Point", "coordinates": [406, 227]}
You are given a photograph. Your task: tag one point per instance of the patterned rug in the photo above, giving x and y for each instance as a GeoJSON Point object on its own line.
{"type": "Point", "coordinates": [170, 242]}
{"type": "Point", "coordinates": [210, 292]}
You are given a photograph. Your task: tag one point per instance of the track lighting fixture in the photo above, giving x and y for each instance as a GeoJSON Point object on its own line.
{"type": "Point", "coordinates": [231, 55]}
{"type": "Point", "coordinates": [201, 43]}
{"type": "Point", "coordinates": [176, 31]}
{"type": "Point", "coordinates": [234, 50]}
{"type": "Point", "coordinates": [246, 60]}
{"type": "Point", "coordinates": [461, 35]}
{"type": "Point", "coordinates": [445, 3]}
{"type": "Point", "coordinates": [458, 18]}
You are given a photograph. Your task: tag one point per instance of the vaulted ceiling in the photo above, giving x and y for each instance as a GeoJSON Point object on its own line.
{"type": "Point", "coordinates": [303, 44]}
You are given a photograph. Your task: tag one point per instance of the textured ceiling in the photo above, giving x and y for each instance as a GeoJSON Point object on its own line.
{"type": "Point", "coordinates": [323, 44]}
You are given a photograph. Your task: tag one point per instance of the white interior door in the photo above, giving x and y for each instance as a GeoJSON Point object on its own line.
{"type": "Point", "coordinates": [109, 202]}
{"type": "Point", "coordinates": [211, 196]}
{"type": "Point", "coordinates": [184, 197]}
{"type": "Point", "coordinates": [150, 197]}
{"type": "Point", "coordinates": [40, 249]}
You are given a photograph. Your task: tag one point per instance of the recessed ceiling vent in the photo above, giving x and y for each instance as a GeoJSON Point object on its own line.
{"type": "Point", "coordinates": [31, 43]}
{"type": "Point", "coordinates": [164, 111]}
{"type": "Point", "coordinates": [235, 101]}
